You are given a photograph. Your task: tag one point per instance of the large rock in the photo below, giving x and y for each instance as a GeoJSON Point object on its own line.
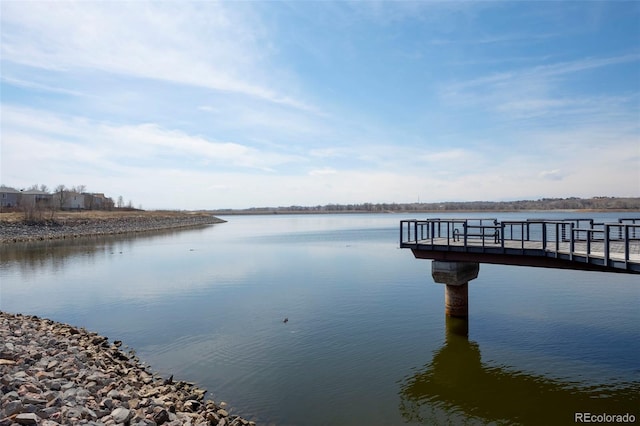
{"type": "Point", "coordinates": [27, 419]}
{"type": "Point", "coordinates": [121, 414]}
{"type": "Point", "coordinates": [161, 417]}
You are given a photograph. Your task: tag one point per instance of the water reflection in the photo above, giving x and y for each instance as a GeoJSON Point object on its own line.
{"type": "Point", "coordinates": [456, 385]}
{"type": "Point", "coordinates": [30, 257]}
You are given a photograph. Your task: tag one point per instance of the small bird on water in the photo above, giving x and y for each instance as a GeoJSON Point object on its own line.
{"type": "Point", "coordinates": [286, 320]}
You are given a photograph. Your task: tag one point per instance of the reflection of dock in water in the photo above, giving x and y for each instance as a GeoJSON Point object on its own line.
{"type": "Point", "coordinates": [456, 385]}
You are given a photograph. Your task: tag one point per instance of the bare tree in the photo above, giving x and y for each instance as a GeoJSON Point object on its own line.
{"type": "Point", "coordinates": [89, 201]}
{"type": "Point", "coordinates": [61, 195]}
{"type": "Point", "coordinates": [34, 208]}
{"type": "Point", "coordinates": [120, 202]}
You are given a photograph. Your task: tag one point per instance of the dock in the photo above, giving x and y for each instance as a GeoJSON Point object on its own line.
{"type": "Point", "coordinates": [582, 244]}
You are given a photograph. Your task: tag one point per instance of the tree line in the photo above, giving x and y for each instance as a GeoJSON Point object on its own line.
{"type": "Point", "coordinates": [571, 203]}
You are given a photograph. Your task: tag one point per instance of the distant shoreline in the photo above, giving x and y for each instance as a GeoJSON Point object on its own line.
{"type": "Point", "coordinates": [292, 212]}
{"type": "Point", "coordinates": [571, 204]}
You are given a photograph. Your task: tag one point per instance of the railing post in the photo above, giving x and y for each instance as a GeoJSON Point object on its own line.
{"type": "Point", "coordinates": [415, 230]}
{"type": "Point", "coordinates": [502, 236]}
{"type": "Point", "coordinates": [433, 231]}
{"type": "Point", "coordinates": [544, 236]}
{"type": "Point", "coordinates": [572, 243]}
{"type": "Point", "coordinates": [464, 226]}
{"type": "Point", "coordinates": [626, 243]}
{"type": "Point", "coordinates": [606, 244]}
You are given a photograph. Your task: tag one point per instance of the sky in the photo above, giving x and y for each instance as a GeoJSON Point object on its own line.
{"type": "Point", "coordinates": [212, 105]}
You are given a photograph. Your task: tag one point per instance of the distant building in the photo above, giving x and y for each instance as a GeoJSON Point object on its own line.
{"type": "Point", "coordinates": [34, 198]}
{"type": "Point", "coordinates": [9, 197]}
{"type": "Point", "coordinates": [72, 200]}
{"type": "Point", "coordinates": [97, 201]}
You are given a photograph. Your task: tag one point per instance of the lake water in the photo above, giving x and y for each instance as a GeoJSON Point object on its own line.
{"type": "Point", "coordinates": [367, 342]}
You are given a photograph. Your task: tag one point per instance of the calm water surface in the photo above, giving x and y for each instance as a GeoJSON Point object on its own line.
{"type": "Point", "coordinates": [367, 342]}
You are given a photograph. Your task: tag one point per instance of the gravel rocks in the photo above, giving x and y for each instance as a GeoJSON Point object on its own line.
{"type": "Point", "coordinates": [47, 230]}
{"type": "Point", "coordinates": [57, 374]}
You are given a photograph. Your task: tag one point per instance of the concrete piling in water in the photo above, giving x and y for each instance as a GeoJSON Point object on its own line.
{"type": "Point", "coordinates": [456, 277]}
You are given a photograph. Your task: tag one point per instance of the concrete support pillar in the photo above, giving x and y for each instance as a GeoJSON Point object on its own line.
{"type": "Point", "coordinates": [456, 300]}
{"type": "Point", "coordinates": [456, 277]}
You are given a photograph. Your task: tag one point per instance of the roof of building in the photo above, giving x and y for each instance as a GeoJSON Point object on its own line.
{"type": "Point", "coordinates": [34, 192]}
{"type": "Point", "coordinates": [8, 190]}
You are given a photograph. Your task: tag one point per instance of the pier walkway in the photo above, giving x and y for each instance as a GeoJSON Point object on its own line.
{"type": "Point", "coordinates": [568, 244]}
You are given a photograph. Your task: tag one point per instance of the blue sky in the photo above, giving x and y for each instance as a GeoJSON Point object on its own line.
{"type": "Point", "coordinates": [239, 104]}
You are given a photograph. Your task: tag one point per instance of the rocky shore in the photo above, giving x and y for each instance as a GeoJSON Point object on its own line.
{"type": "Point", "coordinates": [57, 374]}
{"type": "Point", "coordinates": [20, 231]}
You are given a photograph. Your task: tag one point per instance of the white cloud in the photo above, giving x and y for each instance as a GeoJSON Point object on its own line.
{"type": "Point", "coordinates": [38, 86]}
{"type": "Point", "coordinates": [533, 90]}
{"type": "Point", "coordinates": [329, 152]}
{"type": "Point", "coordinates": [452, 156]}
{"type": "Point", "coordinates": [72, 142]}
{"type": "Point", "coordinates": [204, 44]}
{"type": "Point", "coordinates": [167, 168]}
{"type": "Point", "coordinates": [555, 174]}
{"type": "Point", "coordinates": [322, 172]}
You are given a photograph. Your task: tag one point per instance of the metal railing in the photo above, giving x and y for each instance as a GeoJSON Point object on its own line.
{"type": "Point", "coordinates": [580, 239]}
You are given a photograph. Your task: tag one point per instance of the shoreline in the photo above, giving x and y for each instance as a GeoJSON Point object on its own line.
{"type": "Point", "coordinates": [54, 373]}
{"type": "Point", "coordinates": [391, 212]}
{"type": "Point", "coordinates": [76, 225]}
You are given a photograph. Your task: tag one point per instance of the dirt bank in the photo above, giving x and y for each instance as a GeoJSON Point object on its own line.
{"type": "Point", "coordinates": [13, 227]}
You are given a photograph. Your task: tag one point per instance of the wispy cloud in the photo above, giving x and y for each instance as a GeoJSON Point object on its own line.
{"type": "Point", "coordinates": [97, 144]}
{"type": "Point", "coordinates": [206, 45]}
{"type": "Point", "coordinates": [544, 91]}
{"type": "Point", "coordinates": [535, 74]}
{"type": "Point", "coordinates": [324, 171]}
{"type": "Point", "coordinates": [551, 174]}
{"type": "Point", "coordinates": [39, 87]}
